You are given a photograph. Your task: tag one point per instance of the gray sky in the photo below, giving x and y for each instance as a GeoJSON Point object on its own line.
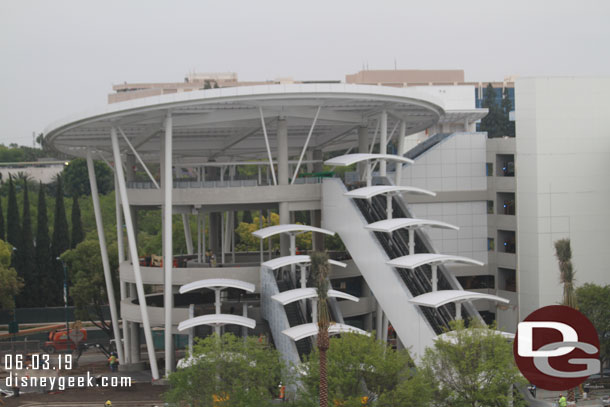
{"type": "Point", "coordinates": [60, 57]}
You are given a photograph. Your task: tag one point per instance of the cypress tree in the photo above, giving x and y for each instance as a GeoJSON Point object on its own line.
{"type": "Point", "coordinates": [2, 234]}
{"type": "Point", "coordinates": [492, 123]}
{"type": "Point", "coordinates": [59, 244]}
{"type": "Point", "coordinates": [43, 260]}
{"type": "Point", "coordinates": [77, 224]}
{"type": "Point", "coordinates": [507, 107]}
{"type": "Point", "coordinates": [13, 230]}
{"type": "Point", "coordinates": [25, 255]}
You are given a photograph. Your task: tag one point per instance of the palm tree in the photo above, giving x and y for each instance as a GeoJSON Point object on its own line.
{"type": "Point", "coordinates": [563, 252]}
{"type": "Point", "coordinates": [320, 269]}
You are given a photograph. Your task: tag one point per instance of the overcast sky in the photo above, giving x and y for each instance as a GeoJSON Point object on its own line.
{"type": "Point", "coordinates": [61, 57]}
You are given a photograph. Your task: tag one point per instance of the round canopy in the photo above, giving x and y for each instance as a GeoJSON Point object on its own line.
{"type": "Point", "coordinates": [225, 124]}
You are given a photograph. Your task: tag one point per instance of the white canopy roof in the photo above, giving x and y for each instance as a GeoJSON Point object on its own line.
{"type": "Point", "coordinates": [416, 260]}
{"type": "Point", "coordinates": [451, 336]}
{"type": "Point", "coordinates": [217, 283]}
{"type": "Point", "coordinates": [224, 124]}
{"type": "Point", "coordinates": [369, 192]}
{"type": "Point", "coordinates": [290, 228]}
{"type": "Point", "coordinates": [436, 299]}
{"type": "Point", "coordinates": [349, 159]}
{"type": "Point", "coordinates": [390, 225]}
{"type": "Point", "coordinates": [297, 294]}
{"type": "Point", "coordinates": [303, 331]}
{"type": "Point", "coordinates": [217, 319]}
{"type": "Point", "coordinates": [290, 260]}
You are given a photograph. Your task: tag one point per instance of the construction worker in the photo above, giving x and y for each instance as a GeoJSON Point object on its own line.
{"type": "Point", "coordinates": [108, 403]}
{"type": "Point", "coordinates": [112, 361]}
{"type": "Point", "coordinates": [562, 401]}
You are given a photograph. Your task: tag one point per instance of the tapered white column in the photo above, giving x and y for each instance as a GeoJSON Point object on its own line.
{"type": "Point", "coordinates": [434, 277]}
{"type": "Point", "coordinates": [133, 252]}
{"type": "Point", "coordinates": [383, 142]}
{"type": "Point", "coordinates": [121, 255]}
{"type": "Point", "coordinates": [168, 256]}
{"type": "Point", "coordinates": [105, 262]}
{"type": "Point", "coordinates": [411, 241]}
{"type": "Point", "coordinates": [388, 210]}
{"type": "Point", "coordinates": [192, 330]}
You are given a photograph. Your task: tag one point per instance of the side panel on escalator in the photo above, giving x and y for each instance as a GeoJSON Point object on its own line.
{"type": "Point", "coordinates": [341, 215]}
{"type": "Point", "coordinates": [274, 313]}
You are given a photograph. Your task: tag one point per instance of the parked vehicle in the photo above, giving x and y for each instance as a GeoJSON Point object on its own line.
{"type": "Point", "coordinates": [59, 340]}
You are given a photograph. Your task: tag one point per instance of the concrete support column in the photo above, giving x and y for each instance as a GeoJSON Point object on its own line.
{"type": "Point", "coordinates": [317, 156]}
{"type": "Point", "coordinates": [379, 321]}
{"type": "Point", "coordinates": [383, 142]}
{"type": "Point", "coordinates": [385, 327]}
{"type": "Point", "coordinates": [133, 250]}
{"type": "Point", "coordinates": [411, 241]}
{"type": "Point", "coordinates": [282, 174]}
{"type": "Point", "coordinates": [282, 152]}
{"type": "Point", "coordinates": [130, 163]}
{"type": "Point", "coordinates": [317, 238]}
{"type": "Point", "coordinates": [192, 330]}
{"type": "Point", "coordinates": [368, 318]}
{"type": "Point", "coordinates": [309, 158]}
{"type": "Point", "coordinates": [168, 255]}
{"type": "Point", "coordinates": [244, 313]}
{"type": "Point", "coordinates": [363, 147]}
{"type": "Point", "coordinates": [400, 148]}
{"type": "Point", "coordinates": [105, 261]}
{"type": "Point", "coordinates": [188, 237]}
{"type": "Point", "coordinates": [434, 277]}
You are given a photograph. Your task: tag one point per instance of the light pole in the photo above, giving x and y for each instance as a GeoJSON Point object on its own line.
{"type": "Point", "coordinates": [65, 293]}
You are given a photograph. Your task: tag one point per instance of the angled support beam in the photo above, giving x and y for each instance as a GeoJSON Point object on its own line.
{"type": "Point", "coordinates": [392, 133]}
{"type": "Point", "coordinates": [260, 109]}
{"type": "Point", "coordinates": [139, 158]}
{"type": "Point", "coordinates": [105, 261]}
{"type": "Point", "coordinates": [374, 137]}
{"type": "Point", "coordinates": [121, 255]}
{"type": "Point", "coordinates": [168, 256]}
{"type": "Point", "coordinates": [133, 253]}
{"type": "Point", "coordinates": [313, 125]}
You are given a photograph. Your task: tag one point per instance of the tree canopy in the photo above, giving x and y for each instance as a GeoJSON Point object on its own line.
{"type": "Point", "coordinates": [10, 283]}
{"type": "Point", "coordinates": [474, 367]}
{"type": "Point", "coordinates": [88, 289]}
{"type": "Point", "coordinates": [497, 122]}
{"type": "Point", "coordinates": [594, 302]}
{"type": "Point", "coordinates": [242, 372]}
{"type": "Point", "coordinates": [76, 177]}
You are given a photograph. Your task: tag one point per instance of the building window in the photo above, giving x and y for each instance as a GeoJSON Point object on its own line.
{"type": "Point", "coordinates": [491, 244]}
{"type": "Point", "coordinates": [489, 169]}
{"type": "Point", "coordinates": [506, 203]}
{"type": "Point", "coordinates": [507, 279]}
{"type": "Point", "coordinates": [505, 165]}
{"type": "Point", "coordinates": [506, 241]}
{"type": "Point", "coordinates": [485, 281]}
{"type": "Point", "coordinates": [490, 207]}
